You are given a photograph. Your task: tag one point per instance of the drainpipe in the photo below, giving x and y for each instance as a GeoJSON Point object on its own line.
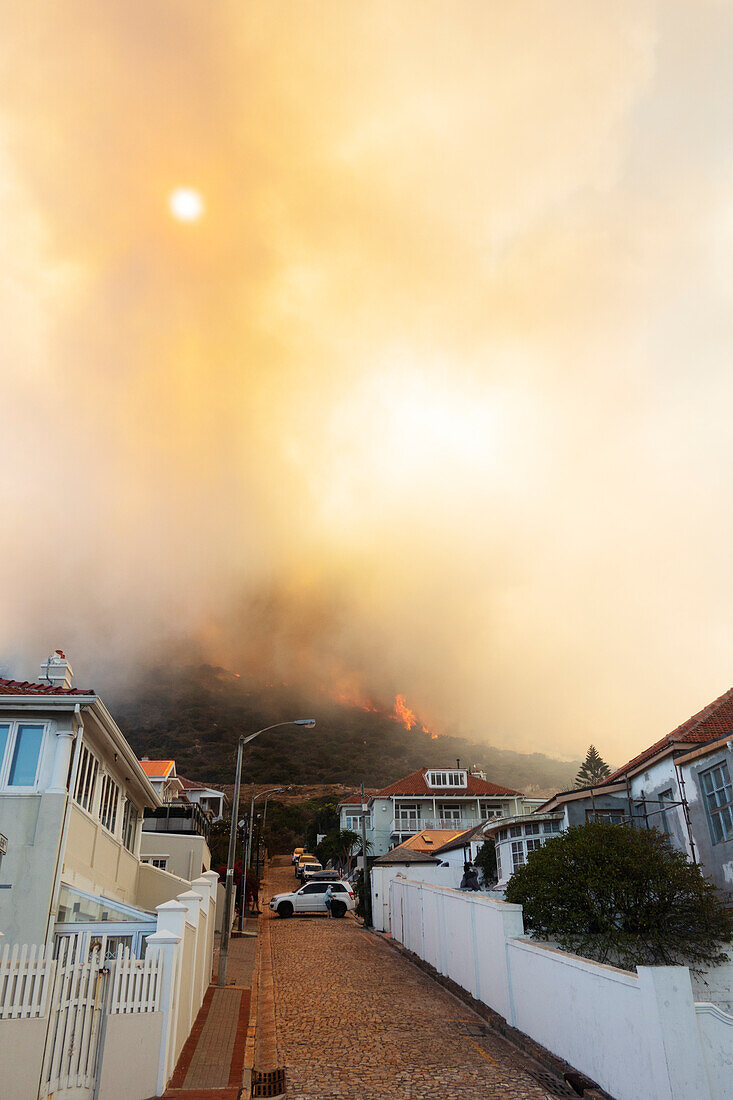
{"type": "Point", "coordinates": [51, 918]}
{"type": "Point", "coordinates": [685, 807]}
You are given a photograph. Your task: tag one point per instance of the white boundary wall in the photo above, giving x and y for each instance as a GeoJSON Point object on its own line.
{"type": "Point", "coordinates": [637, 1035]}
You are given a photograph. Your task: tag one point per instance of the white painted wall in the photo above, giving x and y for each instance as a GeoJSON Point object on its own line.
{"type": "Point", "coordinates": [637, 1035]}
{"type": "Point", "coordinates": [130, 1056]}
{"type": "Point", "coordinates": [21, 1051]}
{"type": "Point", "coordinates": [422, 872]}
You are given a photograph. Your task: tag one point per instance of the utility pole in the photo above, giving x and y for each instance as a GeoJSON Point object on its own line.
{"type": "Point", "coordinates": [366, 885]}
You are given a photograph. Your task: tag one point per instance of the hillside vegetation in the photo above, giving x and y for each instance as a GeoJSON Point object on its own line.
{"type": "Point", "coordinates": [195, 715]}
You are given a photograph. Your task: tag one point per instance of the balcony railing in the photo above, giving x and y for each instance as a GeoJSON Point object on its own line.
{"type": "Point", "coordinates": [176, 817]}
{"type": "Point", "coordinates": [408, 827]}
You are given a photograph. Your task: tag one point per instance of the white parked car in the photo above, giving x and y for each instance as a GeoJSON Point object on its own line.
{"type": "Point", "coordinates": [310, 869]}
{"type": "Point", "coordinates": [311, 898]}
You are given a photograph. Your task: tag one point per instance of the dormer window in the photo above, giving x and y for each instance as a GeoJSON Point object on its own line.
{"type": "Point", "coordinates": [446, 779]}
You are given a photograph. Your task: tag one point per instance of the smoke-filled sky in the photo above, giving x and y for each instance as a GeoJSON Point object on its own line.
{"type": "Point", "coordinates": [434, 397]}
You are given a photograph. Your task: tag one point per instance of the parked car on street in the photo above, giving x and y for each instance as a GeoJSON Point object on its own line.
{"type": "Point", "coordinates": [303, 858]}
{"type": "Point", "coordinates": [327, 876]}
{"type": "Point", "coordinates": [297, 853]}
{"type": "Point", "coordinates": [311, 898]}
{"type": "Point", "coordinates": [310, 869]}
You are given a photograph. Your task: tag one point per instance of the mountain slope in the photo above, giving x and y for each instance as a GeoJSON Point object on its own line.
{"type": "Point", "coordinates": [195, 715]}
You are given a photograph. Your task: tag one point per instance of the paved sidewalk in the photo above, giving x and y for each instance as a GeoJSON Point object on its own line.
{"type": "Point", "coordinates": [211, 1064]}
{"type": "Point", "coordinates": [356, 1020]}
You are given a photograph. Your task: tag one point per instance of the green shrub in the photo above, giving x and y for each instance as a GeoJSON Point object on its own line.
{"type": "Point", "coordinates": [621, 895]}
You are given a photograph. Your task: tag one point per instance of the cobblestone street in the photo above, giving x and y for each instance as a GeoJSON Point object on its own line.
{"type": "Point", "coordinates": [357, 1021]}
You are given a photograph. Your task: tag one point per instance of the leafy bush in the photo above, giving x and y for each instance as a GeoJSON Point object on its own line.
{"type": "Point", "coordinates": [621, 895]}
{"type": "Point", "coordinates": [486, 861]}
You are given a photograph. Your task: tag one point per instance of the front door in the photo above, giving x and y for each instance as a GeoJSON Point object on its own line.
{"type": "Point", "coordinates": [312, 898]}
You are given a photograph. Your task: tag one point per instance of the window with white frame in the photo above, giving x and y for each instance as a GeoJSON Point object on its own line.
{"type": "Point", "coordinates": [20, 752]}
{"type": "Point", "coordinates": [533, 845]}
{"type": "Point", "coordinates": [498, 863]}
{"type": "Point", "coordinates": [161, 862]}
{"type": "Point", "coordinates": [353, 822]}
{"type": "Point", "coordinates": [130, 819]}
{"type": "Point", "coordinates": [86, 778]}
{"type": "Point", "coordinates": [109, 799]}
{"type": "Point", "coordinates": [551, 827]}
{"type": "Point", "coordinates": [533, 829]}
{"type": "Point", "coordinates": [518, 858]}
{"type": "Point", "coordinates": [446, 779]}
{"type": "Point", "coordinates": [489, 810]}
{"type": "Point", "coordinates": [449, 812]}
{"type": "Point", "coordinates": [716, 787]}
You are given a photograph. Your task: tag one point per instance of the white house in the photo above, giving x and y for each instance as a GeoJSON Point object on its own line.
{"type": "Point", "coordinates": [175, 835]}
{"type": "Point", "coordinates": [434, 798]}
{"type": "Point", "coordinates": [72, 799]}
{"type": "Point", "coordinates": [211, 801]}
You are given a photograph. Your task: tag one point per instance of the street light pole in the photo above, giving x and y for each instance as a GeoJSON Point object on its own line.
{"type": "Point", "coordinates": [226, 929]}
{"type": "Point", "coordinates": [248, 846]}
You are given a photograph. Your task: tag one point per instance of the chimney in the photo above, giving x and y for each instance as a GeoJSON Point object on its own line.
{"type": "Point", "coordinates": [57, 671]}
{"type": "Point", "coordinates": [458, 764]}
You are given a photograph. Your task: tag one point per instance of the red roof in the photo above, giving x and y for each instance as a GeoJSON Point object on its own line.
{"type": "Point", "coordinates": [355, 801]}
{"type": "Point", "coordinates": [714, 720]}
{"type": "Point", "coordinates": [189, 785]}
{"type": "Point", "coordinates": [418, 784]}
{"type": "Point", "coordinates": [157, 769]}
{"type": "Point", "coordinates": [24, 687]}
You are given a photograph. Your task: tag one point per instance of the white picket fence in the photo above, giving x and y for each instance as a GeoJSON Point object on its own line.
{"type": "Point", "coordinates": [135, 982]}
{"type": "Point", "coordinates": [95, 999]}
{"type": "Point", "coordinates": [26, 976]}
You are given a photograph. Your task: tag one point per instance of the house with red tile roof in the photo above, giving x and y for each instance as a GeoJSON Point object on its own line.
{"type": "Point", "coordinates": [680, 784]}
{"type": "Point", "coordinates": [72, 799]}
{"type": "Point", "coordinates": [450, 798]}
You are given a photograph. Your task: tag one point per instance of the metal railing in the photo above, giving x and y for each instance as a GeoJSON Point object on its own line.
{"type": "Point", "coordinates": [177, 817]}
{"type": "Point", "coordinates": [410, 826]}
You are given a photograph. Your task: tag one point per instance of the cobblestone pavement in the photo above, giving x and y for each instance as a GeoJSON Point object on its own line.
{"type": "Point", "coordinates": [356, 1020]}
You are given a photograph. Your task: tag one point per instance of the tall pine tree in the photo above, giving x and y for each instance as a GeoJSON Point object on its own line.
{"type": "Point", "coordinates": [594, 769]}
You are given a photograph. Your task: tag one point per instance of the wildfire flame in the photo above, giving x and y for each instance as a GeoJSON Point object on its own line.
{"type": "Point", "coordinates": [403, 713]}
{"type": "Point", "coordinates": [349, 695]}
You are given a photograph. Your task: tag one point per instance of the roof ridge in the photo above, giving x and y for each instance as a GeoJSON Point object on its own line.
{"type": "Point", "coordinates": [706, 712]}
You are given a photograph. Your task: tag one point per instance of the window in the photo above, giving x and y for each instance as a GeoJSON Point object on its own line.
{"type": "Point", "coordinates": [665, 797]}
{"type": "Point", "coordinates": [498, 863]}
{"type": "Point", "coordinates": [86, 778]}
{"type": "Point", "coordinates": [129, 825]}
{"type": "Point", "coordinates": [516, 830]}
{"type": "Point", "coordinates": [532, 830]}
{"type": "Point", "coordinates": [26, 751]}
{"type": "Point", "coordinates": [446, 779]}
{"type": "Point", "coordinates": [314, 888]}
{"type": "Point", "coordinates": [605, 817]}
{"type": "Point", "coordinates": [108, 803]}
{"type": "Point", "coordinates": [719, 801]}
{"type": "Point", "coordinates": [161, 862]}
{"type": "Point", "coordinates": [449, 813]}
{"type": "Point", "coordinates": [489, 810]}
{"type": "Point", "coordinates": [408, 814]}
{"type": "Point", "coordinates": [4, 732]}
{"type": "Point", "coordinates": [533, 845]}
{"type": "Point", "coordinates": [551, 827]}
{"type": "Point", "coordinates": [518, 853]}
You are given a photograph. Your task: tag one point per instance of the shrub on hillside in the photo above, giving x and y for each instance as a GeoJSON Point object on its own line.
{"type": "Point", "coordinates": [621, 895]}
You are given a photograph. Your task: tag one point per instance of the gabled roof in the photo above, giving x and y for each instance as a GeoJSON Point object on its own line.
{"type": "Point", "coordinates": [158, 769]}
{"type": "Point", "coordinates": [416, 783]}
{"type": "Point", "coordinates": [461, 839]}
{"type": "Point", "coordinates": [400, 854]}
{"type": "Point", "coordinates": [25, 687]}
{"type": "Point", "coordinates": [429, 840]}
{"type": "Point", "coordinates": [355, 800]}
{"type": "Point", "coordinates": [190, 785]}
{"type": "Point", "coordinates": [714, 720]}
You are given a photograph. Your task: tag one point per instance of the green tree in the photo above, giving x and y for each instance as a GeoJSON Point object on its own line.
{"type": "Point", "coordinates": [486, 861]}
{"type": "Point", "coordinates": [594, 769]}
{"type": "Point", "coordinates": [621, 895]}
{"type": "Point", "coordinates": [340, 846]}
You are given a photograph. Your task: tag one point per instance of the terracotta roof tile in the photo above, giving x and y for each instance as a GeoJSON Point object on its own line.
{"type": "Point", "coordinates": [418, 784]}
{"type": "Point", "coordinates": [157, 769]}
{"type": "Point", "coordinates": [714, 720]}
{"type": "Point", "coordinates": [429, 840]}
{"type": "Point", "coordinates": [25, 687]}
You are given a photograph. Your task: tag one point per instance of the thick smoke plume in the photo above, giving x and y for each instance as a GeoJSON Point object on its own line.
{"type": "Point", "coordinates": [431, 402]}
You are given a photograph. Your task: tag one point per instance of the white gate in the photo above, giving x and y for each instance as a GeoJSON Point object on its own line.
{"type": "Point", "coordinates": [75, 1018]}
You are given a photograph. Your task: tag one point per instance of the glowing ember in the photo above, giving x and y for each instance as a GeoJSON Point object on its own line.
{"type": "Point", "coordinates": [403, 713]}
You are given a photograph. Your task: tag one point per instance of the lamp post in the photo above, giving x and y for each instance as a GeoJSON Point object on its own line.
{"type": "Point", "coordinates": [248, 846]}
{"type": "Point", "coordinates": [309, 723]}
